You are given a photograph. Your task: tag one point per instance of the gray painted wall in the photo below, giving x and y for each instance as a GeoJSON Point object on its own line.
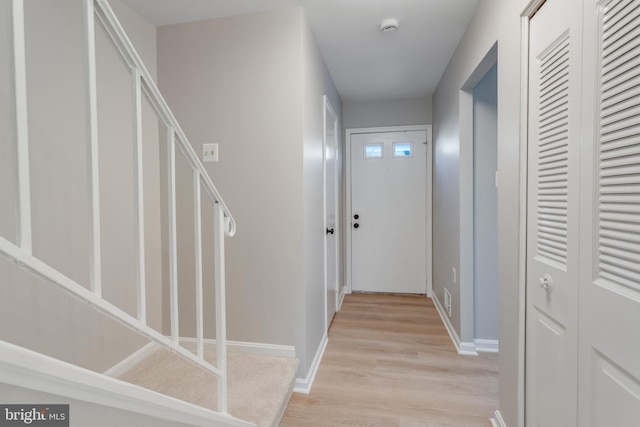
{"type": "Point", "coordinates": [399, 112]}
{"type": "Point", "coordinates": [33, 313]}
{"type": "Point", "coordinates": [495, 21]}
{"type": "Point", "coordinates": [254, 84]}
{"type": "Point", "coordinates": [485, 198]}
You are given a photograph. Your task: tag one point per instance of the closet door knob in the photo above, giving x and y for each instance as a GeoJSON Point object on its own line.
{"type": "Point", "coordinates": [546, 283]}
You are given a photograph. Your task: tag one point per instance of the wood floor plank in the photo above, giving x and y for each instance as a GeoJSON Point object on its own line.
{"type": "Point", "coordinates": [391, 363]}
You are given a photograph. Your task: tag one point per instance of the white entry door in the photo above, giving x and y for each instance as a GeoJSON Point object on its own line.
{"type": "Point", "coordinates": [331, 208]}
{"type": "Point", "coordinates": [388, 211]}
{"type": "Point", "coordinates": [553, 214]}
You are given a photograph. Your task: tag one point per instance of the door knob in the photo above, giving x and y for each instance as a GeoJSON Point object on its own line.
{"type": "Point", "coordinates": [330, 230]}
{"type": "Point", "coordinates": [546, 283]}
{"type": "Point", "coordinates": [356, 225]}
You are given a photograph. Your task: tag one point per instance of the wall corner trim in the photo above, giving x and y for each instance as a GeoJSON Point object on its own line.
{"type": "Point", "coordinates": [486, 346]}
{"type": "Point", "coordinates": [463, 348]}
{"type": "Point", "coordinates": [303, 385]}
{"type": "Point", "coordinates": [133, 359]}
{"type": "Point", "coordinates": [497, 420]}
{"type": "Point", "coordinates": [343, 292]}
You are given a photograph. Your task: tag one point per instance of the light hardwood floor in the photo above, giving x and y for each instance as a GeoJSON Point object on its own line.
{"type": "Point", "coordinates": [390, 363]}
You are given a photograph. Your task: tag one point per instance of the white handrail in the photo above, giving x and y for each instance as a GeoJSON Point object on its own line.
{"type": "Point", "coordinates": [223, 221]}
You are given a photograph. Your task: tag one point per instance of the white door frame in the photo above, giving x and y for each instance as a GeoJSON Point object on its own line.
{"type": "Point", "coordinates": [429, 196]}
{"type": "Point", "coordinates": [327, 107]}
{"type": "Point", "coordinates": [466, 275]}
{"type": "Point", "coordinates": [525, 23]}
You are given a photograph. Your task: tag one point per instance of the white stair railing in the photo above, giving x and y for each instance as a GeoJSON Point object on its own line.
{"type": "Point", "coordinates": [224, 224]}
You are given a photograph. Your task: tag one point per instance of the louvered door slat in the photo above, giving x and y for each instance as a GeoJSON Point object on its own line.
{"type": "Point", "coordinates": [618, 192]}
{"type": "Point", "coordinates": [621, 136]}
{"type": "Point", "coordinates": [619, 114]}
{"type": "Point", "coordinates": [614, 217]}
{"type": "Point", "coordinates": [619, 247]}
{"type": "Point", "coordinates": [621, 18]}
{"type": "Point", "coordinates": [553, 116]}
{"type": "Point", "coordinates": [621, 235]}
{"type": "Point", "coordinates": [627, 189]}
{"type": "Point", "coordinates": [620, 171]}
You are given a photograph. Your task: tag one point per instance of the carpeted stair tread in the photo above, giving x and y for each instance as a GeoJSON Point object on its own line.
{"type": "Point", "coordinates": [259, 386]}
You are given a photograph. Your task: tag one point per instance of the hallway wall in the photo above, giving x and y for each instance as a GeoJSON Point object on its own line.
{"type": "Point", "coordinates": [237, 81]}
{"type": "Point", "coordinates": [397, 112]}
{"type": "Point", "coordinates": [495, 20]}
{"type": "Point", "coordinates": [254, 84]}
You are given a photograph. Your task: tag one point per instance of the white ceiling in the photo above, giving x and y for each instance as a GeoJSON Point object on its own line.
{"type": "Point", "coordinates": [366, 65]}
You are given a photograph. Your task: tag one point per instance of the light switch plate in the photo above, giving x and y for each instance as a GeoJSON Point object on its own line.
{"type": "Point", "coordinates": [209, 153]}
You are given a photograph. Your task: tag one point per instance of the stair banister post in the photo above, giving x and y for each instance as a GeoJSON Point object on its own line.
{"type": "Point", "coordinates": [221, 322]}
{"type": "Point", "coordinates": [21, 126]}
{"type": "Point", "coordinates": [173, 238]}
{"type": "Point", "coordinates": [95, 276]}
{"type": "Point", "coordinates": [197, 220]}
{"type": "Point", "coordinates": [139, 197]}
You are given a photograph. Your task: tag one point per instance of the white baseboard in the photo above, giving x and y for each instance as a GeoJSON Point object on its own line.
{"type": "Point", "coordinates": [133, 359]}
{"type": "Point", "coordinates": [243, 347]}
{"type": "Point", "coordinates": [497, 420]}
{"type": "Point", "coordinates": [486, 346]}
{"type": "Point", "coordinates": [463, 348]}
{"type": "Point", "coordinates": [343, 292]}
{"type": "Point", "coordinates": [467, 349]}
{"type": "Point", "coordinates": [303, 385]}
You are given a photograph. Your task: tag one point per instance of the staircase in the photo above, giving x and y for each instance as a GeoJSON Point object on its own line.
{"type": "Point", "coordinates": [184, 373]}
{"type": "Point", "coordinates": [259, 386]}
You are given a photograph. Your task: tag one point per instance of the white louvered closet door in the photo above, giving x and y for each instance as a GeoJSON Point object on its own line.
{"type": "Point", "coordinates": [553, 214]}
{"type": "Point", "coordinates": [609, 386]}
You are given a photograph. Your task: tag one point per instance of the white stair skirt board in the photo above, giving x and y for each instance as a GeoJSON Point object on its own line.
{"type": "Point", "coordinates": [497, 420]}
{"type": "Point", "coordinates": [303, 385]}
{"type": "Point", "coordinates": [463, 348]}
{"type": "Point", "coordinates": [486, 346]}
{"type": "Point", "coordinates": [27, 369]}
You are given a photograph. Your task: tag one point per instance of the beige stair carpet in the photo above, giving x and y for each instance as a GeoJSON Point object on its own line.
{"type": "Point", "coordinates": [259, 386]}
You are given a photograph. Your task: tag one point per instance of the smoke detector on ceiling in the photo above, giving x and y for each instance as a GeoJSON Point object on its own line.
{"type": "Point", "coordinates": [389, 26]}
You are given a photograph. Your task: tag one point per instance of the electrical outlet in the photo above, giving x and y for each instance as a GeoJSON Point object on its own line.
{"type": "Point", "coordinates": [455, 275]}
{"type": "Point", "coordinates": [447, 302]}
{"type": "Point", "coordinates": [209, 153]}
